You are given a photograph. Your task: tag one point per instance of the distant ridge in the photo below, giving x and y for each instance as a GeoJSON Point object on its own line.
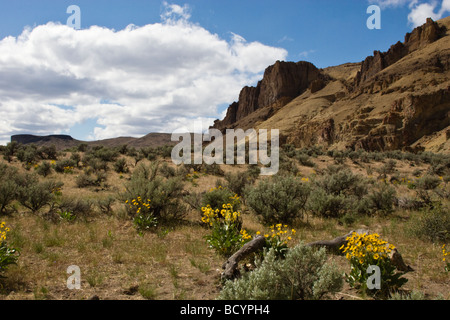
{"type": "Point", "coordinates": [62, 142]}
{"type": "Point", "coordinates": [29, 139]}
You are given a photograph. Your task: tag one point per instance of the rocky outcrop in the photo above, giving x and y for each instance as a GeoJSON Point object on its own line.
{"type": "Point", "coordinates": [248, 102]}
{"type": "Point", "coordinates": [318, 133]}
{"type": "Point", "coordinates": [282, 82]}
{"type": "Point", "coordinates": [394, 100]}
{"type": "Point", "coordinates": [417, 39]}
{"type": "Point", "coordinates": [30, 139]}
{"type": "Point", "coordinates": [423, 35]}
{"type": "Point", "coordinates": [379, 61]}
{"type": "Point", "coordinates": [286, 80]}
{"type": "Point", "coordinates": [409, 119]}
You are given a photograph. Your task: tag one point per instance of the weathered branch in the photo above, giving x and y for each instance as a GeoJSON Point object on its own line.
{"type": "Point", "coordinates": [257, 244]}
{"type": "Point", "coordinates": [336, 243]}
{"type": "Point", "coordinates": [231, 265]}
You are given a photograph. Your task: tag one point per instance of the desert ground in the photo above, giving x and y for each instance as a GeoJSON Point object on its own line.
{"type": "Point", "coordinates": [87, 223]}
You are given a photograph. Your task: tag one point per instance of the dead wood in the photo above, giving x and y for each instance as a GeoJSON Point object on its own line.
{"type": "Point", "coordinates": [231, 265]}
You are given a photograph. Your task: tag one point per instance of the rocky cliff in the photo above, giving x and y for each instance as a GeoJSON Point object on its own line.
{"type": "Point", "coordinates": [399, 99]}
{"type": "Point", "coordinates": [419, 38]}
{"type": "Point", "coordinates": [281, 83]}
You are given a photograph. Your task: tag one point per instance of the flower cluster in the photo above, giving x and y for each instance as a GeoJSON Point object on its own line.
{"type": "Point", "coordinates": [227, 215]}
{"type": "Point", "coordinates": [214, 189]}
{"type": "Point", "coordinates": [235, 199]}
{"type": "Point", "coordinates": [278, 238]}
{"type": "Point", "coordinates": [8, 255]}
{"type": "Point", "coordinates": [143, 217]}
{"type": "Point", "coordinates": [57, 191]}
{"type": "Point", "coordinates": [138, 205]}
{"type": "Point", "coordinates": [366, 248]}
{"type": "Point", "coordinates": [3, 231]}
{"type": "Point", "coordinates": [68, 169]}
{"type": "Point", "coordinates": [192, 177]}
{"type": "Point", "coordinates": [444, 255]}
{"type": "Point", "coordinates": [245, 235]}
{"type": "Point", "coordinates": [227, 234]}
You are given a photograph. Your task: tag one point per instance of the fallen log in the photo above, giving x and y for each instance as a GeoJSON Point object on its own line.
{"type": "Point", "coordinates": [230, 266]}
{"type": "Point", "coordinates": [334, 245]}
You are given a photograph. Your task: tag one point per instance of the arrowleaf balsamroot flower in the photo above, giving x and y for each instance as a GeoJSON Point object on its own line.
{"type": "Point", "coordinates": [364, 250]}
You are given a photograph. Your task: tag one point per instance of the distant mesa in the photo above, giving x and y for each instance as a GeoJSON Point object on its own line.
{"type": "Point", "coordinates": [30, 139]}
{"type": "Point", "coordinates": [62, 142]}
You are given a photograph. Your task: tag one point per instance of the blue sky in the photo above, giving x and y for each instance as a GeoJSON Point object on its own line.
{"type": "Point", "coordinates": [181, 61]}
{"type": "Point", "coordinates": [325, 32]}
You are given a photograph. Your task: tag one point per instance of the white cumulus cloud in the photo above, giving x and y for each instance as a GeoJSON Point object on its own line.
{"type": "Point", "coordinates": [419, 10]}
{"type": "Point", "coordinates": [152, 78]}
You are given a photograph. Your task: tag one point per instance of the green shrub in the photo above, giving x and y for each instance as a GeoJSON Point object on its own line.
{"type": "Point", "coordinates": [212, 169]}
{"type": "Point", "coordinates": [236, 182]}
{"type": "Point", "coordinates": [85, 180]}
{"type": "Point", "coordinates": [304, 274]}
{"type": "Point", "coordinates": [75, 207]}
{"type": "Point", "coordinates": [149, 153]}
{"type": "Point", "coordinates": [65, 165]}
{"type": "Point", "coordinates": [327, 205]}
{"type": "Point", "coordinates": [28, 154]}
{"type": "Point", "coordinates": [8, 187]}
{"type": "Point", "coordinates": [48, 152]}
{"type": "Point", "coordinates": [428, 182]}
{"type": "Point", "coordinates": [164, 151]}
{"type": "Point", "coordinates": [340, 193]}
{"type": "Point", "coordinates": [34, 195]}
{"type": "Point", "coordinates": [253, 171]}
{"type": "Point", "coordinates": [82, 147]}
{"type": "Point", "coordinates": [103, 153]}
{"type": "Point", "coordinates": [288, 166]}
{"type": "Point", "coordinates": [304, 159]}
{"type": "Point", "coordinates": [45, 169]}
{"type": "Point", "coordinates": [340, 181]}
{"type": "Point", "coordinates": [426, 187]}
{"type": "Point", "coordinates": [10, 150]}
{"type": "Point", "coordinates": [166, 171]}
{"type": "Point", "coordinates": [76, 158]}
{"type": "Point", "coordinates": [95, 164]}
{"type": "Point", "coordinates": [431, 224]}
{"type": "Point", "coordinates": [165, 194]}
{"type": "Point", "coordinates": [381, 199]}
{"type": "Point", "coordinates": [313, 151]}
{"type": "Point", "coordinates": [289, 150]}
{"type": "Point", "coordinates": [219, 196]}
{"type": "Point", "coordinates": [120, 166]}
{"type": "Point", "coordinates": [105, 204]}
{"type": "Point", "coordinates": [386, 169]}
{"type": "Point", "coordinates": [123, 149]}
{"type": "Point", "coordinates": [278, 199]}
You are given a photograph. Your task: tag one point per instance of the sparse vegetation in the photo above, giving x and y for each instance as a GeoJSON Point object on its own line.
{"type": "Point", "coordinates": [157, 244]}
{"type": "Point", "coordinates": [304, 274]}
{"type": "Point", "coordinates": [279, 199]}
